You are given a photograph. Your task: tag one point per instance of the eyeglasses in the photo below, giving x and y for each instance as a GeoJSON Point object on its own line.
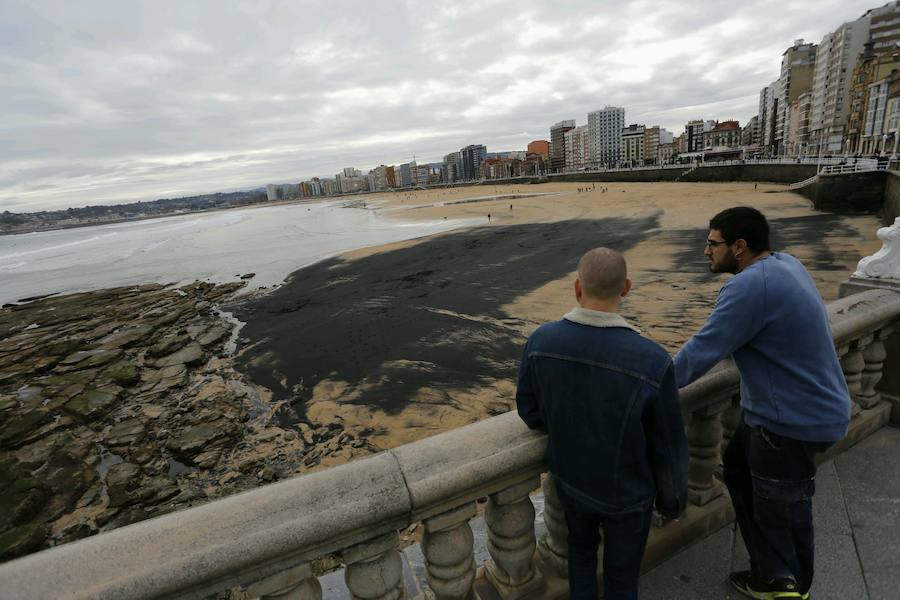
{"type": "Point", "coordinates": [713, 243]}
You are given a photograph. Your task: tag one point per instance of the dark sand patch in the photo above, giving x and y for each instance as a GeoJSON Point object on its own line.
{"type": "Point", "coordinates": [437, 303]}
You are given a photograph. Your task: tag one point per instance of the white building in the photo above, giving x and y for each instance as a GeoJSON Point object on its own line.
{"type": "Point", "coordinates": [605, 136]}
{"type": "Point", "coordinates": [830, 106]}
{"type": "Point", "coordinates": [577, 148]}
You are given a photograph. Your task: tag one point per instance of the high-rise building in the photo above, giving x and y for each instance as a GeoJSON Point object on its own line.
{"type": "Point", "coordinates": [451, 168]}
{"type": "Point", "coordinates": [605, 136]}
{"type": "Point", "coordinates": [576, 141]}
{"type": "Point", "coordinates": [693, 131]}
{"type": "Point", "coordinates": [750, 133]}
{"type": "Point", "coordinates": [558, 144]}
{"type": "Point", "coordinates": [798, 65]}
{"type": "Point", "coordinates": [830, 108]}
{"type": "Point", "coordinates": [381, 181]}
{"type": "Point", "coordinates": [633, 145]}
{"type": "Point", "coordinates": [471, 158]}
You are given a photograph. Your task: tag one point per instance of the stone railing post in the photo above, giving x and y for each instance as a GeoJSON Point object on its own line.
{"type": "Point", "coordinates": [374, 570]}
{"type": "Point", "coordinates": [873, 355]}
{"type": "Point", "coordinates": [704, 433]}
{"type": "Point", "coordinates": [554, 545]}
{"type": "Point", "coordinates": [449, 554]}
{"type": "Point", "coordinates": [731, 418]}
{"type": "Point", "coordinates": [297, 583]}
{"type": "Point", "coordinates": [510, 520]}
{"type": "Point", "coordinates": [852, 363]}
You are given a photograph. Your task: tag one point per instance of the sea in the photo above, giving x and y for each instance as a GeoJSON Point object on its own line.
{"type": "Point", "coordinates": [270, 241]}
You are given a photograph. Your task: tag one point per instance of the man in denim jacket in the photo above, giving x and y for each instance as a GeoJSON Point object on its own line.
{"type": "Point", "coordinates": [771, 319]}
{"type": "Point", "coordinates": [607, 399]}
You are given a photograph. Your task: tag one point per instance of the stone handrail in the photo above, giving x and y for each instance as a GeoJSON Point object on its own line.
{"type": "Point", "coordinates": [274, 541]}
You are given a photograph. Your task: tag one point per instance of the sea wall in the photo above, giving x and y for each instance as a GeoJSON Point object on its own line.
{"type": "Point", "coordinates": [890, 209]}
{"type": "Point", "coordinates": [850, 192]}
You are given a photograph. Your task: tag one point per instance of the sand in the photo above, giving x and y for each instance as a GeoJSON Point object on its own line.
{"type": "Point", "coordinates": [401, 341]}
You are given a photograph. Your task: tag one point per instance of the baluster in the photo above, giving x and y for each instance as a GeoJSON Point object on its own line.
{"type": "Point", "coordinates": [704, 440]}
{"type": "Point", "coordinates": [297, 583]}
{"type": "Point", "coordinates": [554, 545]}
{"type": "Point", "coordinates": [510, 520]}
{"type": "Point", "coordinates": [874, 356]}
{"type": "Point", "coordinates": [731, 418]}
{"type": "Point", "coordinates": [449, 554]}
{"type": "Point", "coordinates": [374, 570]}
{"type": "Point", "coordinates": [853, 363]}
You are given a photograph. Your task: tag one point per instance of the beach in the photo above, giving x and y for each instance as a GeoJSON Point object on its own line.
{"type": "Point", "coordinates": [121, 404]}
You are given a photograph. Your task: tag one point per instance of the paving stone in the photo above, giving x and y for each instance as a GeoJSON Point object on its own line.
{"type": "Point", "coordinates": [838, 574]}
{"type": "Point", "coordinates": [700, 571]}
{"type": "Point", "coordinates": [829, 512]}
{"type": "Point", "coordinates": [870, 480]}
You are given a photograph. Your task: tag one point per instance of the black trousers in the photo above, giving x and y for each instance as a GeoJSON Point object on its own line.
{"type": "Point", "coordinates": [771, 480]}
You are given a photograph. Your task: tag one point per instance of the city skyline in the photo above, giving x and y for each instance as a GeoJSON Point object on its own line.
{"type": "Point", "coordinates": [106, 104]}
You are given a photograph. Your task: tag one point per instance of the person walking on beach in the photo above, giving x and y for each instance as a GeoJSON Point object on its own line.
{"type": "Point", "coordinates": [771, 319]}
{"type": "Point", "coordinates": [606, 396]}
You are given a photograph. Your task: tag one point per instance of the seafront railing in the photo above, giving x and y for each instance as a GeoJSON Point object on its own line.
{"type": "Point", "coordinates": [275, 541]}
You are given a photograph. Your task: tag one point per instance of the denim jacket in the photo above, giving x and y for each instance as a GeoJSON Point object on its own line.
{"type": "Point", "coordinates": [606, 397]}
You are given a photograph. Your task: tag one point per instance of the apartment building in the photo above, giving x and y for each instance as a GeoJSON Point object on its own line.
{"type": "Point", "coordinates": [605, 136]}
{"type": "Point", "coordinates": [633, 145]}
{"type": "Point", "coordinates": [577, 148]}
{"type": "Point", "coordinates": [558, 144]}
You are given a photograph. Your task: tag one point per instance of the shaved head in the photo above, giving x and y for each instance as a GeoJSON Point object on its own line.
{"type": "Point", "coordinates": [602, 272]}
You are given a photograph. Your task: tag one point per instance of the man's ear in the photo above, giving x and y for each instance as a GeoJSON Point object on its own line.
{"type": "Point", "coordinates": [739, 246]}
{"type": "Point", "coordinates": [578, 290]}
{"type": "Point", "coordinates": [627, 287]}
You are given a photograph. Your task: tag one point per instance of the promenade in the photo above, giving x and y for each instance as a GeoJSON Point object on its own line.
{"type": "Point", "coordinates": [857, 518]}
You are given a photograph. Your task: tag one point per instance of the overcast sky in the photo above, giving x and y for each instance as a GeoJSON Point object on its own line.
{"type": "Point", "coordinates": [119, 101]}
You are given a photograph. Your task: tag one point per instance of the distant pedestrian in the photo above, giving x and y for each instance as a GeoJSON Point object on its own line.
{"type": "Point", "coordinates": [489, 216]}
{"type": "Point", "coordinates": [754, 186]}
{"type": "Point", "coordinates": [510, 207]}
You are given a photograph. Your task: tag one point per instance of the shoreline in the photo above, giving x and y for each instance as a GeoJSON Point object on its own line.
{"type": "Point", "coordinates": [124, 403]}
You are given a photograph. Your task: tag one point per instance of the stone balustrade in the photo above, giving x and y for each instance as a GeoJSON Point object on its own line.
{"type": "Point", "coordinates": [275, 541]}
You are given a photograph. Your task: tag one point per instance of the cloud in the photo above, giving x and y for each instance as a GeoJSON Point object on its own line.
{"type": "Point", "coordinates": [108, 102]}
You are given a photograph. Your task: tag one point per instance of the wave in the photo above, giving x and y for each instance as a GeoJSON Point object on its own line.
{"type": "Point", "coordinates": [52, 248]}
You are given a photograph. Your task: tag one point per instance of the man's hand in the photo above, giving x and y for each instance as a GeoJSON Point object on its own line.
{"type": "Point", "coordinates": [661, 519]}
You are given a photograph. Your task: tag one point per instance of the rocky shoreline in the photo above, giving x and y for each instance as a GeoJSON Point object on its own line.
{"type": "Point", "coordinates": [119, 405]}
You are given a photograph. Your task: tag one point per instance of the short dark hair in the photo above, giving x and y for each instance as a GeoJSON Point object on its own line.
{"type": "Point", "coordinates": [743, 223]}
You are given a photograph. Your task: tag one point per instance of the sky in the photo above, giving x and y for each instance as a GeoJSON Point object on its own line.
{"type": "Point", "coordinates": [121, 101]}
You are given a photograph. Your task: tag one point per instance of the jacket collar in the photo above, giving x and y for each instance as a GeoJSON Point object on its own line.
{"type": "Point", "coordinates": [597, 318]}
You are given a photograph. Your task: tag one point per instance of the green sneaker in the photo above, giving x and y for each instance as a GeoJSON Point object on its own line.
{"type": "Point", "coordinates": [775, 589]}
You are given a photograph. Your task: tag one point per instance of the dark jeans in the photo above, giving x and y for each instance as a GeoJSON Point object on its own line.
{"type": "Point", "coordinates": [624, 539]}
{"type": "Point", "coordinates": [771, 480]}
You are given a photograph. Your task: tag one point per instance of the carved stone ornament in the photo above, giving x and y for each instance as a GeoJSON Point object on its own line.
{"type": "Point", "coordinates": [884, 264]}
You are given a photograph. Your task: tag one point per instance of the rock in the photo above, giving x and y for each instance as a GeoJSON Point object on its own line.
{"type": "Point", "coordinates": [157, 490]}
{"type": "Point", "coordinates": [307, 433]}
{"type": "Point", "coordinates": [28, 393]}
{"type": "Point", "coordinates": [8, 403]}
{"type": "Point", "coordinates": [267, 473]}
{"type": "Point", "coordinates": [248, 275]}
{"type": "Point", "coordinates": [208, 459]}
{"type": "Point", "coordinates": [190, 355]}
{"type": "Point", "coordinates": [228, 477]}
{"type": "Point", "coordinates": [125, 433]}
{"type": "Point", "coordinates": [22, 540]}
{"type": "Point", "coordinates": [22, 428]}
{"type": "Point", "coordinates": [168, 345]}
{"type": "Point", "coordinates": [120, 481]}
{"type": "Point", "coordinates": [44, 364]}
{"type": "Point", "coordinates": [76, 531]}
{"type": "Point", "coordinates": [92, 403]}
{"type": "Point", "coordinates": [195, 439]}
{"type": "Point", "coordinates": [87, 359]}
{"type": "Point", "coordinates": [34, 455]}
{"type": "Point", "coordinates": [67, 474]}
{"type": "Point", "coordinates": [124, 374]}
{"type": "Point", "coordinates": [213, 336]}
{"type": "Point", "coordinates": [127, 337]}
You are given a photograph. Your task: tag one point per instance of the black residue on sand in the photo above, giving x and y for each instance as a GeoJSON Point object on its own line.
{"type": "Point", "coordinates": [437, 302]}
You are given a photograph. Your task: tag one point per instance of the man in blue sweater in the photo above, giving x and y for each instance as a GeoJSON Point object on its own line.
{"type": "Point", "coordinates": [771, 319]}
{"type": "Point", "coordinates": [607, 399]}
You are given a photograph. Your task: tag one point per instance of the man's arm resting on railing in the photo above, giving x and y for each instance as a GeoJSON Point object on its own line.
{"type": "Point", "coordinates": [527, 402]}
{"type": "Point", "coordinates": [667, 448]}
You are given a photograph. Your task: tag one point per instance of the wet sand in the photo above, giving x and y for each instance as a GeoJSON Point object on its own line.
{"type": "Point", "coordinates": [401, 341]}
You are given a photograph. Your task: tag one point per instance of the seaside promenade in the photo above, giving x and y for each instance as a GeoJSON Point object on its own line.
{"type": "Point", "coordinates": [856, 511]}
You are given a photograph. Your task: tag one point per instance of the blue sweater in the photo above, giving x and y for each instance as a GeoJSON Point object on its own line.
{"type": "Point", "coordinates": [772, 320]}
